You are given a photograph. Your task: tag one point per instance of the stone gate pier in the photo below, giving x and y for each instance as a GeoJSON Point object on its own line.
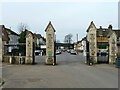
{"type": "Point", "coordinates": [91, 38]}
{"type": "Point", "coordinates": [0, 49]}
{"type": "Point", "coordinates": [29, 48]}
{"type": "Point", "coordinates": [50, 45]}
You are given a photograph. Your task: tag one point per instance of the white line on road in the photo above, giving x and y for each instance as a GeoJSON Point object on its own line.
{"type": "Point", "coordinates": [5, 66]}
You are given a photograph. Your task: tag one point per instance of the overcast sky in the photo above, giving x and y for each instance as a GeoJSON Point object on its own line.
{"type": "Point", "coordinates": [66, 17]}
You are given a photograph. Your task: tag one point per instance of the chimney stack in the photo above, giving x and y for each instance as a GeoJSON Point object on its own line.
{"type": "Point", "coordinates": [100, 31]}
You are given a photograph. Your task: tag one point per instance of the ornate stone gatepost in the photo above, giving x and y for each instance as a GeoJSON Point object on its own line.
{"type": "Point", "coordinates": [50, 50]}
{"type": "Point", "coordinates": [0, 48]}
{"type": "Point", "coordinates": [91, 37]}
{"type": "Point", "coordinates": [113, 49]}
{"type": "Point", "coordinates": [29, 48]}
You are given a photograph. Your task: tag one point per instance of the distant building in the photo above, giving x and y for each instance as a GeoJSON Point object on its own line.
{"type": "Point", "coordinates": [105, 40]}
{"type": "Point", "coordinates": [13, 39]}
{"type": "Point", "coordinates": [39, 40]}
{"type": "Point", "coordinates": [80, 46]}
{"type": "Point", "coordinates": [13, 36]}
{"type": "Point", "coordinates": [5, 38]}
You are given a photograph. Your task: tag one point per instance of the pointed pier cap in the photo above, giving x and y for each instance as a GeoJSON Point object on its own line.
{"type": "Point", "coordinates": [92, 23]}
{"type": "Point", "coordinates": [49, 25]}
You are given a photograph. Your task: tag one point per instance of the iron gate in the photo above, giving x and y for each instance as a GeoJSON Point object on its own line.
{"type": "Point", "coordinates": [102, 57]}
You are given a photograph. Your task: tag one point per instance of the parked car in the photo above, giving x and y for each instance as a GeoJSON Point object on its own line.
{"type": "Point", "coordinates": [38, 52]}
{"type": "Point", "coordinates": [68, 51]}
{"type": "Point", "coordinates": [73, 52]}
{"type": "Point", "coordinates": [58, 52]}
{"type": "Point", "coordinates": [63, 50]}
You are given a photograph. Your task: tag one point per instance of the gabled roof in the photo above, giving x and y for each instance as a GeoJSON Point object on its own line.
{"type": "Point", "coordinates": [117, 32]}
{"type": "Point", "coordinates": [5, 37]}
{"type": "Point", "coordinates": [27, 33]}
{"type": "Point", "coordinates": [37, 35]}
{"type": "Point", "coordinates": [92, 23]}
{"type": "Point", "coordinates": [104, 33]}
{"type": "Point", "coordinates": [11, 32]}
{"type": "Point", "coordinates": [50, 24]}
{"type": "Point", "coordinates": [1, 27]}
{"type": "Point", "coordinates": [110, 33]}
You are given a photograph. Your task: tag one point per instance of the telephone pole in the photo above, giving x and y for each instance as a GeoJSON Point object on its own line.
{"type": "Point", "coordinates": [77, 37]}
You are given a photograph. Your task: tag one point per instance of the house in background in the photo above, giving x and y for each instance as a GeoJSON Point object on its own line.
{"type": "Point", "coordinates": [5, 38]}
{"type": "Point", "coordinates": [80, 46]}
{"type": "Point", "coordinates": [13, 39]}
{"type": "Point", "coordinates": [13, 36]}
{"type": "Point", "coordinates": [77, 47]}
{"type": "Point", "coordinates": [103, 35]}
{"type": "Point", "coordinates": [106, 43]}
{"type": "Point", "coordinates": [39, 40]}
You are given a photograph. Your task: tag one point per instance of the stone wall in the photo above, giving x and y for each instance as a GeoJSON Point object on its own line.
{"type": "Point", "coordinates": [14, 59]}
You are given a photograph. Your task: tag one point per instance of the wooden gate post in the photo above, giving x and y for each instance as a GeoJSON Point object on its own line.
{"type": "Point", "coordinates": [50, 50]}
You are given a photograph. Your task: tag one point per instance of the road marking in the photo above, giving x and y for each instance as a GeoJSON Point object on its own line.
{"type": "Point", "coordinates": [6, 66]}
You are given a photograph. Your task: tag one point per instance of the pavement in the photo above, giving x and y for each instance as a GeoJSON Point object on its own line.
{"type": "Point", "coordinates": [70, 72]}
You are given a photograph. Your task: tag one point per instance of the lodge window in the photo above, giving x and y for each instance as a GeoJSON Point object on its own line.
{"type": "Point", "coordinates": [118, 39]}
{"type": "Point", "coordinates": [2, 34]}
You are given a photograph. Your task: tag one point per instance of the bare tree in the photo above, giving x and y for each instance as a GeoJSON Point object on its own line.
{"type": "Point", "coordinates": [22, 27]}
{"type": "Point", "coordinates": [68, 38]}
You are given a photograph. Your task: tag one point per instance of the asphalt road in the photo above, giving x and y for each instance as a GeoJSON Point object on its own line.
{"type": "Point", "coordinates": [71, 72]}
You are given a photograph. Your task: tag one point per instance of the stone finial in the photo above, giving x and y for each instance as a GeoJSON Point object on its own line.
{"type": "Point", "coordinates": [110, 27]}
{"type": "Point", "coordinates": [100, 27]}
